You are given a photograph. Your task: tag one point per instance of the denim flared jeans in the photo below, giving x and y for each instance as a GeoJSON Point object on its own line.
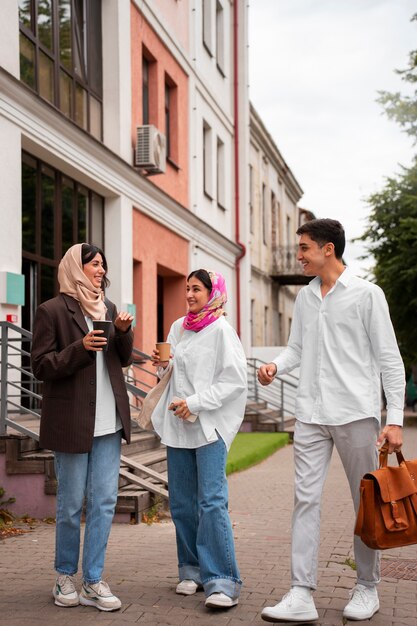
{"type": "Point", "coordinates": [93, 476]}
{"type": "Point", "coordinates": [198, 497]}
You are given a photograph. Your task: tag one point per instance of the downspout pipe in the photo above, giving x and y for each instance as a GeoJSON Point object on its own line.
{"type": "Point", "coordinates": [236, 155]}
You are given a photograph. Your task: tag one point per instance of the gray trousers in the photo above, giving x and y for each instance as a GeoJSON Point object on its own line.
{"type": "Point", "coordinates": [313, 446]}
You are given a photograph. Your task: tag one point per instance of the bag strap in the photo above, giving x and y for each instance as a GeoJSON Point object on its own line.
{"type": "Point", "coordinates": [383, 456]}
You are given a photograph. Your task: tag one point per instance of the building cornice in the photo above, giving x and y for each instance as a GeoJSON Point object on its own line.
{"type": "Point", "coordinates": [50, 136]}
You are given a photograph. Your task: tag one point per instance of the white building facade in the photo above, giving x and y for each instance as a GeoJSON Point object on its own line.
{"type": "Point", "coordinates": [274, 194]}
{"type": "Point", "coordinates": [72, 92]}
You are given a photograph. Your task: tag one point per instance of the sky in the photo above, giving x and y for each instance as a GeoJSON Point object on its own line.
{"type": "Point", "coordinates": [315, 69]}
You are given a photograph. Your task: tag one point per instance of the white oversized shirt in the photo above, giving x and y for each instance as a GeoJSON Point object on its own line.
{"type": "Point", "coordinates": [344, 343]}
{"type": "Point", "coordinates": [209, 372]}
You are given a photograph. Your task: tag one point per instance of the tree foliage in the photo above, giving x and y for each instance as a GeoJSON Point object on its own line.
{"type": "Point", "coordinates": [400, 108]}
{"type": "Point", "coordinates": [392, 239]}
{"type": "Point", "coordinates": [391, 233]}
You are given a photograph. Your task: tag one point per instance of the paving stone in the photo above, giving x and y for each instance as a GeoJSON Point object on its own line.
{"type": "Point", "coordinates": [141, 563]}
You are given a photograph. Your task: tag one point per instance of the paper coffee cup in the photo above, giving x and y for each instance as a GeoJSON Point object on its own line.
{"type": "Point", "coordinates": [103, 325]}
{"type": "Point", "coordinates": [164, 350]}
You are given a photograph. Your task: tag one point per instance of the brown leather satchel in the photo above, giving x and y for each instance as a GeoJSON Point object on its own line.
{"type": "Point", "coordinates": [387, 516]}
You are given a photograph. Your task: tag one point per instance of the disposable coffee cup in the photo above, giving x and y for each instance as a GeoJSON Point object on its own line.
{"type": "Point", "coordinates": [103, 325]}
{"type": "Point", "coordinates": [164, 350]}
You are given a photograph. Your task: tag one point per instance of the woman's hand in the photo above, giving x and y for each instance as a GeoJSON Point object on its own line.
{"type": "Point", "coordinates": [156, 361]}
{"type": "Point", "coordinates": [180, 409]}
{"type": "Point", "coordinates": [94, 341]}
{"type": "Point", "coordinates": [123, 321]}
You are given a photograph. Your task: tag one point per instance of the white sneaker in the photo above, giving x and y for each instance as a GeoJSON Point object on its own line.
{"type": "Point", "coordinates": [295, 606]}
{"type": "Point", "coordinates": [100, 596]}
{"type": "Point", "coordinates": [363, 603]}
{"type": "Point", "coordinates": [64, 591]}
{"type": "Point", "coordinates": [186, 587]}
{"type": "Point", "coordinates": [220, 601]}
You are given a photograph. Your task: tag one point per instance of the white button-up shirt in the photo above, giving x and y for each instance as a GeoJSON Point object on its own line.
{"type": "Point", "coordinates": [344, 343]}
{"type": "Point", "coordinates": [209, 372]}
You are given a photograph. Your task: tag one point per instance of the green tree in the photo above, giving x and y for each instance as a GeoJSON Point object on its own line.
{"type": "Point", "coordinates": [391, 232]}
{"type": "Point", "coordinates": [401, 108]}
{"type": "Point", "coordinates": [392, 239]}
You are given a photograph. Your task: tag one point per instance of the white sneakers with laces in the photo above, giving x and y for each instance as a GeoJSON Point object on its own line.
{"type": "Point", "coordinates": [296, 606]}
{"type": "Point", "coordinates": [100, 596]}
{"type": "Point", "coordinates": [187, 587]}
{"type": "Point", "coordinates": [363, 603]}
{"type": "Point", "coordinates": [220, 601]}
{"type": "Point", "coordinates": [64, 591]}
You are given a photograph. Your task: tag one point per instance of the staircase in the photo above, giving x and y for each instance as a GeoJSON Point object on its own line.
{"type": "Point", "coordinates": [270, 408]}
{"type": "Point", "coordinates": [143, 469]}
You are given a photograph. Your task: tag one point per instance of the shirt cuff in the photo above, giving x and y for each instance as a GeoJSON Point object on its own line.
{"type": "Point", "coordinates": [193, 403]}
{"type": "Point", "coordinates": [395, 417]}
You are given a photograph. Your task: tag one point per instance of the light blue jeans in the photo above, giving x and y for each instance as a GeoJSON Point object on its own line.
{"type": "Point", "coordinates": [93, 476]}
{"type": "Point", "coordinates": [198, 497]}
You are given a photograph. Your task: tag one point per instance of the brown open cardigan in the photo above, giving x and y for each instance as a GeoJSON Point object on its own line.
{"type": "Point", "coordinates": [68, 372]}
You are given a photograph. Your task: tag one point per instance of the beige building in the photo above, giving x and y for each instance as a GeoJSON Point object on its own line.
{"type": "Point", "coordinates": [274, 194]}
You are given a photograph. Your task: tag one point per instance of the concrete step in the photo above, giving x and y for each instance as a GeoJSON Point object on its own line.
{"type": "Point", "coordinates": [140, 442]}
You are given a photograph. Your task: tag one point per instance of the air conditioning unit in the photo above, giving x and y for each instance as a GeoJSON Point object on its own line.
{"type": "Point", "coordinates": [150, 149]}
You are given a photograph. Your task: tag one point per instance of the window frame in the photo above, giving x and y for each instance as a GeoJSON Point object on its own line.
{"type": "Point", "coordinates": [92, 33]}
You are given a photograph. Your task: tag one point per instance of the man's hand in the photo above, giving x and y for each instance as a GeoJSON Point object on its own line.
{"type": "Point", "coordinates": [266, 373]}
{"type": "Point", "coordinates": [393, 435]}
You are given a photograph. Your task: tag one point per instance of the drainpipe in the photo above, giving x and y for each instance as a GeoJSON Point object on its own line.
{"type": "Point", "coordinates": [236, 154]}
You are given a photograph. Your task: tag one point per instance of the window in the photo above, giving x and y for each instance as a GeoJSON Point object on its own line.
{"type": "Point", "coordinates": [252, 322]}
{"type": "Point", "coordinates": [167, 119]}
{"type": "Point", "coordinates": [145, 90]}
{"type": "Point", "coordinates": [266, 337]}
{"type": "Point", "coordinates": [221, 192]}
{"type": "Point", "coordinates": [171, 120]}
{"type": "Point", "coordinates": [219, 37]}
{"type": "Point", "coordinates": [207, 161]}
{"type": "Point", "coordinates": [207, 26]}
{"type": "Point", "coordinates": [61, 57]}
{"type": "Point", "coordinates": [251, 200]}
{"type": "Point", "coordinates": [288, 232]}
{"type": "Point", "coordinates": [264, 214]}
{"type": "Point", "coordinates": [274, 225]}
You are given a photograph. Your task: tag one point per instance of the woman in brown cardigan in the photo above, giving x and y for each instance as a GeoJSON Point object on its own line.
{"type": "Point", "coordinates": [85, 414]}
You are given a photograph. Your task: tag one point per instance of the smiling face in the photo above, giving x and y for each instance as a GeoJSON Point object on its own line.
{"type": "Point", "coordinates": [312, 256]}
{"type": "Point", "coordinates": [95, 271]}
{"type": "Point", "coordinates": [197, 295]}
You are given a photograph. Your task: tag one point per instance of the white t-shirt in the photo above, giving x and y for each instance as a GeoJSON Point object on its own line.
{"type": "Point", "coordinates": [107, 419]}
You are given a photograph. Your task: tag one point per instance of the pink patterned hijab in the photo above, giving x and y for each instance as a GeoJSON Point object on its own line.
{"type": "Point", "coordinates": [214, 307]}
{"type": "Point", "coordinates": [73, 282]}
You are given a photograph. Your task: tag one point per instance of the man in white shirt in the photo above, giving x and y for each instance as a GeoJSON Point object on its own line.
{"type": "Point", "coordinates": [343, 341]}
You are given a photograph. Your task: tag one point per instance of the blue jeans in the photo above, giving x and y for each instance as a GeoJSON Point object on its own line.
{"type": "Point", "coordinates": [93, 476]}
{"type": "Point", "coordinates": [198, 497]}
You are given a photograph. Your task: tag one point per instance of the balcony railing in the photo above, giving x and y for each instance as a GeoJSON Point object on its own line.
{"type": "Point", "coordinates": [285, 267]}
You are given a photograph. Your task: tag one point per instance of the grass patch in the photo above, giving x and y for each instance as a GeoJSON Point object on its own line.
{"type": "Point", "coordinates": [250, 448]}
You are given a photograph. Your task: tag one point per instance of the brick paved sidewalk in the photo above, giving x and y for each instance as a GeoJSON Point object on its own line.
{"type": "Point", "coordinates": [141, 562]}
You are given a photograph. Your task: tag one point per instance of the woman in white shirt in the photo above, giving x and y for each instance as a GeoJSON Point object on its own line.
{"type": "Point", "coordinates": [197, 418]}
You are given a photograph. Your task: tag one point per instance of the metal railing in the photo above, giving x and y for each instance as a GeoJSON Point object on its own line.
{"type": "Point", "coordinates": [280, 395]}
{"type": "Point", "coordinates": [19, 389]}
{"type": "Point", "coordinates": [21, 392]}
